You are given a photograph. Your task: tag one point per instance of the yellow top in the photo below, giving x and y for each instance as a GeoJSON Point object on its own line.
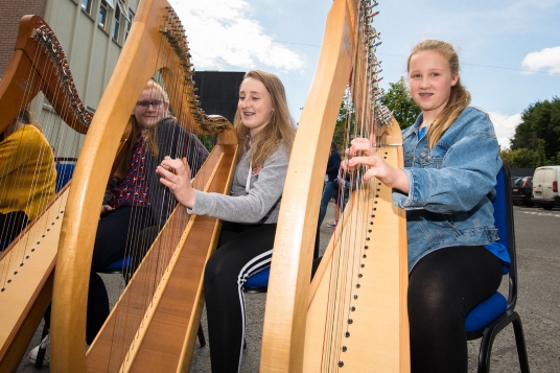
{"type": "Point", "coordinates": [27, 172]}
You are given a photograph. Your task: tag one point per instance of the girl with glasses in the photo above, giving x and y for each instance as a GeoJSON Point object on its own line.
{"type": "Point", "coordinates": [136, 205]}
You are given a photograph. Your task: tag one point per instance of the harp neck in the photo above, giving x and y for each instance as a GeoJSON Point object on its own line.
{"type": "Point", "coordinates": [39, 65]}
{"type": "Point", "coordinates": [347, 60]}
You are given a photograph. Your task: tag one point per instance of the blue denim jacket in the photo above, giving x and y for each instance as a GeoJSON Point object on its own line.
{"type": "Point", "coordinates": [451, 186]}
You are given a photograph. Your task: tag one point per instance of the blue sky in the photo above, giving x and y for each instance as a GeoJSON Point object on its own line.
{"type": "Point", "coordinates": [509, 50]}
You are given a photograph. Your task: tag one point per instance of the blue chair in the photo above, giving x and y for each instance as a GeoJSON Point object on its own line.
{"type": "Point", "coordinates": [258, 283]}
{"type": "Point", "coordinates": [64, 173]}
{"type": "Point", "coordinates": [491, 316]}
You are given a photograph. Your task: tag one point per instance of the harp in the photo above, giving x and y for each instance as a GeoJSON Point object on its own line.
{"type": "Point", "coordinates": [161, 331]}
{"type": "Point", "coordinates": [353, 316]}
{"type": "Point", "coordinates": [26, 266]}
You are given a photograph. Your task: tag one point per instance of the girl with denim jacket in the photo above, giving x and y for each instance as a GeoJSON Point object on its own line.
{"type": "Point", "coordinates": [446, 185]}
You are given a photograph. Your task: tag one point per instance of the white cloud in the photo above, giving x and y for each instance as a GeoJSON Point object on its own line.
{"type": "Point", "coordinates": [505, 127]}
{"type": "Point", "coordinates": [223, 32]}
{"type": "Point", "coordinates": [547, 58]}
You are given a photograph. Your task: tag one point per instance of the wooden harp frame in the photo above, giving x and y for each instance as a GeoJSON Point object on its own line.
{"type": "Point", "coordinates": [140, 59]}
{"type": "Point", "coordinates": [290, 302]}
{"type": "Point", "coordinates": [37, 65]}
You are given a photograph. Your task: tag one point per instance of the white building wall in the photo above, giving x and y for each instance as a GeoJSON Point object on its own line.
{"type": "Point", "coordinates": [92, 54]}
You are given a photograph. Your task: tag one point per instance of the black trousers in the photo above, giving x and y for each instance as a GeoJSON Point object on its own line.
{"type": "Point", "coordinates": [242, 251]}
{"type": "Point", "coordinates": [11, 224]}
{"type": "Point", "coordinates": [444, 287]}
{"type": "Point", "coordinates": [118, 234]}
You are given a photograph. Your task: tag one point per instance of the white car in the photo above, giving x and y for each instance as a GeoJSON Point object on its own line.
{"type": "Point", "coordinates": [545, 186]}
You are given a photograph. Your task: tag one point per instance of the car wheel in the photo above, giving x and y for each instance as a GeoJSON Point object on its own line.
{"type": "Point", "coordinates": [528, 204]}
{"type": "Point", "coordinates": [547, 207]}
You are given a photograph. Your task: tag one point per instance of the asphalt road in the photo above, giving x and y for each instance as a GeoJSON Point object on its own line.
{"type": "Point", "coordinates": [538, 256]}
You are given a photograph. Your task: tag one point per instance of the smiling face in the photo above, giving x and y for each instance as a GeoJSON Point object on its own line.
{"type": "Point", "coordinates": [149, 117]}
{"type": "Point", "coordinates": [430, 80]}
{"type": "Point", "coordinates": [255, 105]}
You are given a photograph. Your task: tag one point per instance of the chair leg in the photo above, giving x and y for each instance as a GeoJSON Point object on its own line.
{"type": "Point", "coordinates": [520, 342]}
{"type": "Point", "coordinates": [484, 352]}
{"type": "Point", "coordinates": [42, 351]}
{"type": "Point", "coordinates": [488, 340]}
{"type": "Point", "coordinates": [201, 338]}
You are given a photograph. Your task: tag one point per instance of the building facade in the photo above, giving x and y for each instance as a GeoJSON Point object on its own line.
{"type": "Point", "coordinates": [92, 34]}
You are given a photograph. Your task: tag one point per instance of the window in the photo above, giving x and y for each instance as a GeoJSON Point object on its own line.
{"type": "Point", "coordinates": [128, 24]}
{"type": "Point", "coordinates": [121, 16]}
{"type": "Point", "coordinates": [117, 24]}
{"type": "Point", "coordinates": [87, 5]}
{"type": "Point", "coordinates": [102, 16]}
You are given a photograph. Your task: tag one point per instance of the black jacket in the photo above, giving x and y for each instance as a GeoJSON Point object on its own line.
{"type": "Point", "coordinates": [175, 142]}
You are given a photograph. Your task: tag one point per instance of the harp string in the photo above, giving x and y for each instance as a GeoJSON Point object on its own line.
{"type": "Point", "coordinates": [145, 284]}
{"type": "Point", "coordinates": [38, 71]}
{"type": "Point", "coordinates": [351, 248]}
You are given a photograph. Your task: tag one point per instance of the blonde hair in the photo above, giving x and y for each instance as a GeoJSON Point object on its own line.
{"type": "Point", "coordinates": [280, 128]}
{"type": "Point", "coordinates": [459, 97]}
{"type": "Point", "coordinates": [150, 137]}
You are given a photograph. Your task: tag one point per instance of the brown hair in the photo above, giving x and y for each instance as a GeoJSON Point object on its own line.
{"type": "Point", "coordinates": [26, 116]}
{"type": "Point", "coordinates": [280, 128]}
{"type": "Point", "coordinates": [150, 138]}
{"type": "Point", "coordinates": [459, 98]}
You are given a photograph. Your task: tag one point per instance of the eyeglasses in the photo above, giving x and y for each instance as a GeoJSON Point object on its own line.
{"type": "Point", "coordinates": [144, 105]}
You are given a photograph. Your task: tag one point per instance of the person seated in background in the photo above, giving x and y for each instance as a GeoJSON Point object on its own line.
{"type": "Point", "coordinates": [27, 175]}
{"type": "Point", "coordinates": [331, 189]}
{"type": "Point", "coordinates": [135, 202]}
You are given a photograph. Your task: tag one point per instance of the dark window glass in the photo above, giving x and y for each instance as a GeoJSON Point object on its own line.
{"type": "Point", "coordinates": [86, 5]}
{"type": "Point", "coordinates": [102, 17]}
{"type": "Point", "coordinates": [117, 24]}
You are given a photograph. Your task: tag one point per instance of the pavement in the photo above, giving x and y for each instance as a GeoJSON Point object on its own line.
{"type": "Point", "coordinates": [538, 304]}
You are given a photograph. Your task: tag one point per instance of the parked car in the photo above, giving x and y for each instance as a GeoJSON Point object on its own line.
{"type": "Point", "coordinates": [522, 191]}
{"type": "Point", "coordinates": [545, 186]}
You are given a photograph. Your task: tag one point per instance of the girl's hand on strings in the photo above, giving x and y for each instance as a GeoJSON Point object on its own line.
{"type": "Point", "coordinates": [176, 175]}
{"type": "Point", "coordinates": [364, 152]}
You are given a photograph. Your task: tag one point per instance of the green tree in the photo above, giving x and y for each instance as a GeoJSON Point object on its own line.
{"type": "Point", "coordinates": [400, 102]}
{"type": "Point", "coordinates": [521, 158]}
{"type": "Point", "coordinates": [539, 131]}
{"type": "Point", "coordinates": [345, 127]}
